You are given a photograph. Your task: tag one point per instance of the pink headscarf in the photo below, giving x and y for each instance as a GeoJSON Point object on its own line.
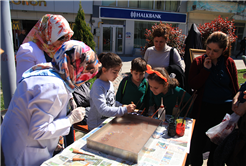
{"type": "Point", "coordinates": [47, 31]}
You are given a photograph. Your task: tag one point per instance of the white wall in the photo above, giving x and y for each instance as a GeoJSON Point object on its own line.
{"type": "Point", "coordinates": [97, 2]}
{"type": "Point", "coordinates": [95, 25]}
{"type": "Point", "coordinates": [129, 42]}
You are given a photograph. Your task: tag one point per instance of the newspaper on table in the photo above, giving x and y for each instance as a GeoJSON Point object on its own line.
{"type": "Point", "coordinates": [159, 150]}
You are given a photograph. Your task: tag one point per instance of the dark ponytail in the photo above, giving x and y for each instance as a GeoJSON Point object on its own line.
{"type": "Point", "coordinates": [108, 60]}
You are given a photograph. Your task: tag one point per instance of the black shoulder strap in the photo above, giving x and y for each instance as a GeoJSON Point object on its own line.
{"type": "Point", "coordinates": [124, 82]}
{"type": "Point", "coordinates": [171, 57]}
{"type": "Point", "coordinates": [47, 57]}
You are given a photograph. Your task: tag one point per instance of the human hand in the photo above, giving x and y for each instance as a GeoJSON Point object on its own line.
{"type": "Point", "coordinates": [244, 96]}
{"type": "Point", "coordinates": [130, 108]}
{"type": "Point", "coordinates": [235, 105]}
{"type": "Point", "coordinates": [244, 75]}
{"type": "Point", "coordinates": [207, 63]}
{"type": "Point", "coordinates": [77, 115]}
{"type": "Point", "coordinates": [241, 109]}
{"type": "Point", "coordinates": [235, 101]}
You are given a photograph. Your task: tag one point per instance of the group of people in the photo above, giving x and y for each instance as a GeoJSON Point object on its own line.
{"type": "Point", "coordinates": [214, 77]}
{"type": "Point", "coordinates": [50, 65]}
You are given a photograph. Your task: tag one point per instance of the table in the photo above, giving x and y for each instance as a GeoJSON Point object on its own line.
{"type": "Point", "coordinates": [159, 150]}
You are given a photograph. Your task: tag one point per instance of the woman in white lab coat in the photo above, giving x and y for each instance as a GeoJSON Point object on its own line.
{"type": "Point", "coordinates": [37, 114]}
{"type": "Point", "coordinates": [42, 42]}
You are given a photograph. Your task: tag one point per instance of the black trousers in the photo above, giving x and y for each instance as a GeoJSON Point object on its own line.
{"type": "Point", "coordinates": [69, 139]}
{"type": "Point", "coordinates": [211, 115]}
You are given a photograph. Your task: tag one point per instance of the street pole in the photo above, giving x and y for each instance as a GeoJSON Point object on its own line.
{"type": "Point", "coordinates": [8, 72]}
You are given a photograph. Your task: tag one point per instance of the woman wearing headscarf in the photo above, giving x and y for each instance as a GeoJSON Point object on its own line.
{"type": "Point", "coordinates": [37, 114]}
{"type": "Point", "coordinates": [42, 42]}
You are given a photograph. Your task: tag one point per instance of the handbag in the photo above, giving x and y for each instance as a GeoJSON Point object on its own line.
{"type": "Point", "coordinates": [81, 95]}
{"type": "Point", "coordinates": [219, 132]}
{"type": "Point", "coordinates": [177, 70]}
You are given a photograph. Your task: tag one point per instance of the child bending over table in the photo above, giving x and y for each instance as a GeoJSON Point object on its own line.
{"type": "Point", "coordinates": [163, 86]}
{"type": "Point", "coordinates": [102, 95]}
{"type": "Point", "coordinates": [134, 88]}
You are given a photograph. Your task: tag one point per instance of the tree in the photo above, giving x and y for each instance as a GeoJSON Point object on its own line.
{"type": "Point", "coordinates": [82, 31]}
{"type": "Point", "coordinates": [176, 38]}
{"type": "Point", "coordinates": [218, 24]}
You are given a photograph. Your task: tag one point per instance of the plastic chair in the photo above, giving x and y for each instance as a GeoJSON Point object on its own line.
{"type": "Point", "coordinates": [83, 128]}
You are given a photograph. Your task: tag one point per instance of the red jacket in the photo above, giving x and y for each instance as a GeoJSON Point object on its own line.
{"type": "Point", "coordinates": [198, 76]}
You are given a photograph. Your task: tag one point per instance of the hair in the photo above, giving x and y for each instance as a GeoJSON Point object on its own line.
{"type": "Point", "coordinates": [161, 30]}
{"type": "Point", "coordinates": [172, 82]}
{"type": "Point", "coordinates": [108, 60]}
{"type": "Point", "coordinates": [222, 40]}
{"type": "Point", "coordinates": [139, 64]}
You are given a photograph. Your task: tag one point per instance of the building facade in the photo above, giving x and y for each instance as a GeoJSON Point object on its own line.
{"type": "Point", "coordinates": [200, 12]}
{"type": "Point", "coordinates": [26, 13]}
{"type": "Point", "coordinates": [119, 26]}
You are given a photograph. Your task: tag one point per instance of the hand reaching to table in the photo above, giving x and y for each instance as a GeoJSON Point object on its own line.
{"type": "Point", "coordinates": [76, 115]}
{"type": "Point", "coordinates": [130, 108]}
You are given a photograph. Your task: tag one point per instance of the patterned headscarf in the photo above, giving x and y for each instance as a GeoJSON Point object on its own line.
{"type": "Point", "coordinates": [47, 31]}
{"type": "Point", "coordinates": [75, 61]}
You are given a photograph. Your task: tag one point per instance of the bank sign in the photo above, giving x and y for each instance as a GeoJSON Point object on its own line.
{"type": "Point", "coordinates": [117, 13]}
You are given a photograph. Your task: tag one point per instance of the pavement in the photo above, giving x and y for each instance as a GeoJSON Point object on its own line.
{"type": "Point", "coordinates": [126, 69]}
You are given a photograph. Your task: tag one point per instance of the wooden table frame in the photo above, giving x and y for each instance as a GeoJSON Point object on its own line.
{"type": "Point", "coordinates": [193, 125]}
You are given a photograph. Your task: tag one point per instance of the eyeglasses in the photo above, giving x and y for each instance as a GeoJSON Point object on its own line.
{"type": "Point", "coordinates": [62, 38]}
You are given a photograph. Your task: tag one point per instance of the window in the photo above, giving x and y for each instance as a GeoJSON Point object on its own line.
{"type": "Point", "coordinates": [171, 6]}
{"type": "Point", "coordinates": [122, 3]}
{"type": "Point", "coordinates": [133, 4]}
{"type": "Point", "coordinates": [239, 33]}
{"type": "Point", "coordinates": [159, 5]}
{"type": "Point", "coordinates": [146, 4]}
{"type": "Point", "coordinates": [139, 31]}
{"type": "Point", "coordinates": [143, 4]}
{"type": "Point", "coordinates": [109, 3]}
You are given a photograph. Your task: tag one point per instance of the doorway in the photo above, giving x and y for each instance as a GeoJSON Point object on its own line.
{"type": "Point", "coordinates": [239, 33]}
{"type": "Point", "coordinates": [112, 38]}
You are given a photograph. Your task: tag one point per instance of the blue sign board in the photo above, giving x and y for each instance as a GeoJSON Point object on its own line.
{"type": "Point", "coordinates": [142, 15]}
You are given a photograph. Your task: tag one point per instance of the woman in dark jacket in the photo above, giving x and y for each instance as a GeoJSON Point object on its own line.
{"type": "Point", "coordinates": [214, 76]}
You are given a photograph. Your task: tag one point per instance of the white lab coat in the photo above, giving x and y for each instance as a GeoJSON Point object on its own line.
{"type": "Point", "coordinates": [35, 119]}
{"type": "Point", "coordinates": [28, 55]}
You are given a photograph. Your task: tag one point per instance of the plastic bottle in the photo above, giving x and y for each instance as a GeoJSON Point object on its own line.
{"type": "Point", "coordinates": [161, 111]}
{"type": "Point", "coordinates": [175, 109]}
